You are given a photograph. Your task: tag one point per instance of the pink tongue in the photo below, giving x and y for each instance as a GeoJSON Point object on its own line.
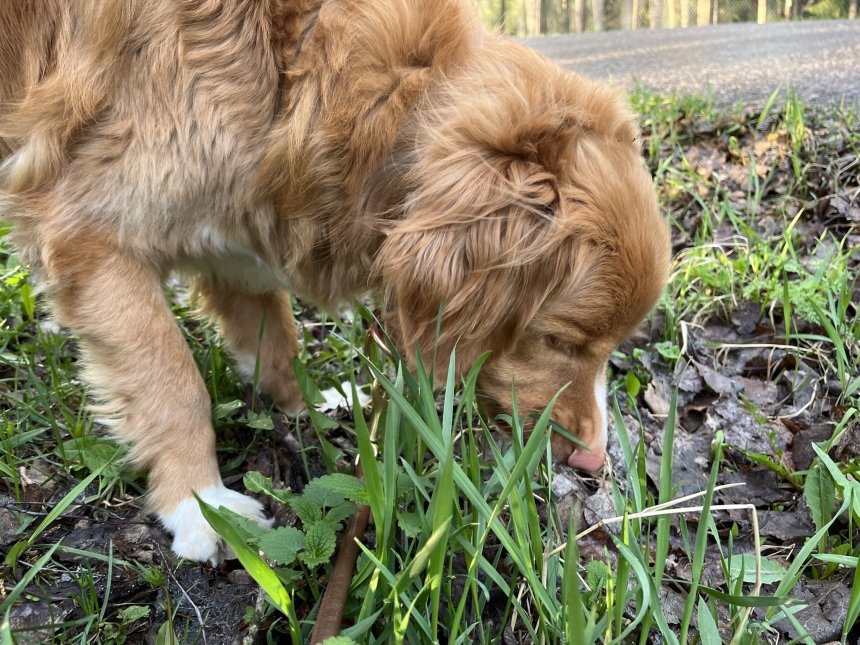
{"type": "Point", "coordinates": [582, 459]}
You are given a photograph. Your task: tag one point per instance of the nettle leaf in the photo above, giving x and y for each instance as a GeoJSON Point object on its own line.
{"type": "Point", "coordinates": [345, 486]}
{"type": "Point", "coordinates": [405, 487]}
{"type": "Point", "coordinates": [820, 492]}
{"type": "Point", "coordinates": [596, 573]}
{"type": "Point", "coordinates": [404, 484]}
{"type": "Point", "coordinates": [339, 640]}
{"type": "Point", "coordinates": [410, 523]}
{"type": "Point", "coordinates": [320, 543]}
{"type": "Point", "coordinates": [132, 614]}
{"type": "Point", "coordinates": [339, 513]}
{"type": "Point", "coordinates": [255, 482]}
{"type": "Point", "coordinates": [319, 493]}
{"type": "Point", "coordinates": [307, 510]}
{"type": "Point", "coordinates": [283, 544]}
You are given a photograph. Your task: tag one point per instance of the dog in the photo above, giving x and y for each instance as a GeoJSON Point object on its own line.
{"type": "Point", "coordinates": [324, 148]}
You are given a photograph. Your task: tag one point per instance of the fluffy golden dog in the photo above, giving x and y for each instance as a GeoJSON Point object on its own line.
{"type": "Point", "coordinates": [326, 148]}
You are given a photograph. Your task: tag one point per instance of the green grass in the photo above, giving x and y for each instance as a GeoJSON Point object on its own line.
{"type": "Point", "coordinates": [469, 540]}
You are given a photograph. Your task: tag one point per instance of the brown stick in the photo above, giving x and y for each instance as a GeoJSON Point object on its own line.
{"type": "Point", "coordinates": [330, 613]}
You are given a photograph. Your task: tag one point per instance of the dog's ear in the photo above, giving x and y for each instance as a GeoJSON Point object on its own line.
{"type": "Point", "coordinates": [497, 203]}
{"type": "Point", "coordinates": [480, 239]}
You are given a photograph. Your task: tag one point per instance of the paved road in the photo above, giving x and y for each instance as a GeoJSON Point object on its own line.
{"type": "Point", "coordinates": [747, 61]}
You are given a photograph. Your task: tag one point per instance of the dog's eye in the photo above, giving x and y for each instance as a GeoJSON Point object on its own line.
{"type": "Point", "coordinates": [559, 345]}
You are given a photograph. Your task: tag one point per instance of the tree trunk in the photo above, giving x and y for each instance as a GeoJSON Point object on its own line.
{"type": "Point", "coordinates": [544, 16]}
{"type": "Point", "coordinates": [669, 14]}
{"type": "Point", "coordinates": [501, 16]}
{"type": "Point", "coordinates": [579, 6]}
{"type": "Point", "coordinates": [685, 13]}
{"type": "Point", "coordinates": [597, 8]}
{"type": "Point", "coordinates": [715, 12]}
{"type": "Point", "coordinates": [626, 19]}
{"type": "Point", "coordinates": [761, 18]}
{"type": "Point", "coordinates": [652, 14]}
{"type": "Point", "coordinates": [852, 10]}
{"type": "Point", "coordinates": [703, 12]}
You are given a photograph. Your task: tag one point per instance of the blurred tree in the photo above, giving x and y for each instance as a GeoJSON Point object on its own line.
{"type": "Point", "coordinates": [531, 17]}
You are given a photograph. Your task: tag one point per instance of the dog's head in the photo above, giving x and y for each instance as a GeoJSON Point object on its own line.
{"type": "Point", "coordinates": [531, 218]}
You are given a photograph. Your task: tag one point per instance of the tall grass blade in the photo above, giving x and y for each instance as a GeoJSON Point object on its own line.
{"type": "Point", "coordinates": [701, 539]}
{"type": "Point", "coordinates": [256, 567]}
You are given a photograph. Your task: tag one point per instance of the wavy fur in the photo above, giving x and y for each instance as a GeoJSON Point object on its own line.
{"type": "Point", "coordinates": [330, 148]}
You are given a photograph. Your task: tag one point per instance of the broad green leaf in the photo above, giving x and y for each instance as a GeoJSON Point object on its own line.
{"type": "Point", "coordinates": [133, 613]}
{"type": "Point", "coordinates": [744, 564]}
{"type": "Point", "coordinates": [344, 486]}
{"type": "Point", "coordinates": [668, 350]}
{"type": "Point", "coordinates": [282, 544]}
{"type": "Point", "coordinates": [166, 635]}
{"type": "Point", "coordinates": [94, 453]}
{"type": "Point", "coordinates": [318, 492]}
{"type": "Point", "coordinates": [632, 384]}
{"type": "Point", "coordinates": [224, 410]}
{"type": "Point", "coordinates": [259, 421]}
{"type": "Point", "coordinates": [708, 632]}
{"type": "Point", "coordinates": [820, 492]}
{"type": "Point", "coordinates": [255, 482]}
{"type": "Point", "coordinates": [307, 510]}
{"type": "Point", "coordinates": [410, 523]}
{"type": "Point", "coordinates": [320, 543]}
{"type": "Point", "coordinates": [339, 513]}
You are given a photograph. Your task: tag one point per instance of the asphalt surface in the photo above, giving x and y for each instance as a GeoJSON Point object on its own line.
{"type": "Point", "coordinates": [820, 59]}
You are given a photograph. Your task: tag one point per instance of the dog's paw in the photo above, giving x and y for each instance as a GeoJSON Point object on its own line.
{"type": "Point", "coordinates": [193, 538]}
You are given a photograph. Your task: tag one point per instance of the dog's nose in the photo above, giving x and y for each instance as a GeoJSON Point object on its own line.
{"type": "Point", "coordinates": [593, 431]}
{"type": "Point", "coordinates": [588, 460]}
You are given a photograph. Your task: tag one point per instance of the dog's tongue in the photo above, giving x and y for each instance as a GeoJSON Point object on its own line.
{"type": "Point", "coordinates": [582, 459]}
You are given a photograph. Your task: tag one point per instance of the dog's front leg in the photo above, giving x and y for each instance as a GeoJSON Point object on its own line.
{"type": "Point", "coordinates": [141, 368]}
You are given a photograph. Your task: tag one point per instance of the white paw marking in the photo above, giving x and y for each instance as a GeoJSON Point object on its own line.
{"type": "Point", "coordinates": [193, 538]}
{"type": "Point", "coordinates": [335, 400]}
{"type": "Point", "coordinates": [246, 365]}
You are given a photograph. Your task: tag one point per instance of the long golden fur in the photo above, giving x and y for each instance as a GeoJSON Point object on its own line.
{"type": "Point", "coordinates": [328, 148]}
